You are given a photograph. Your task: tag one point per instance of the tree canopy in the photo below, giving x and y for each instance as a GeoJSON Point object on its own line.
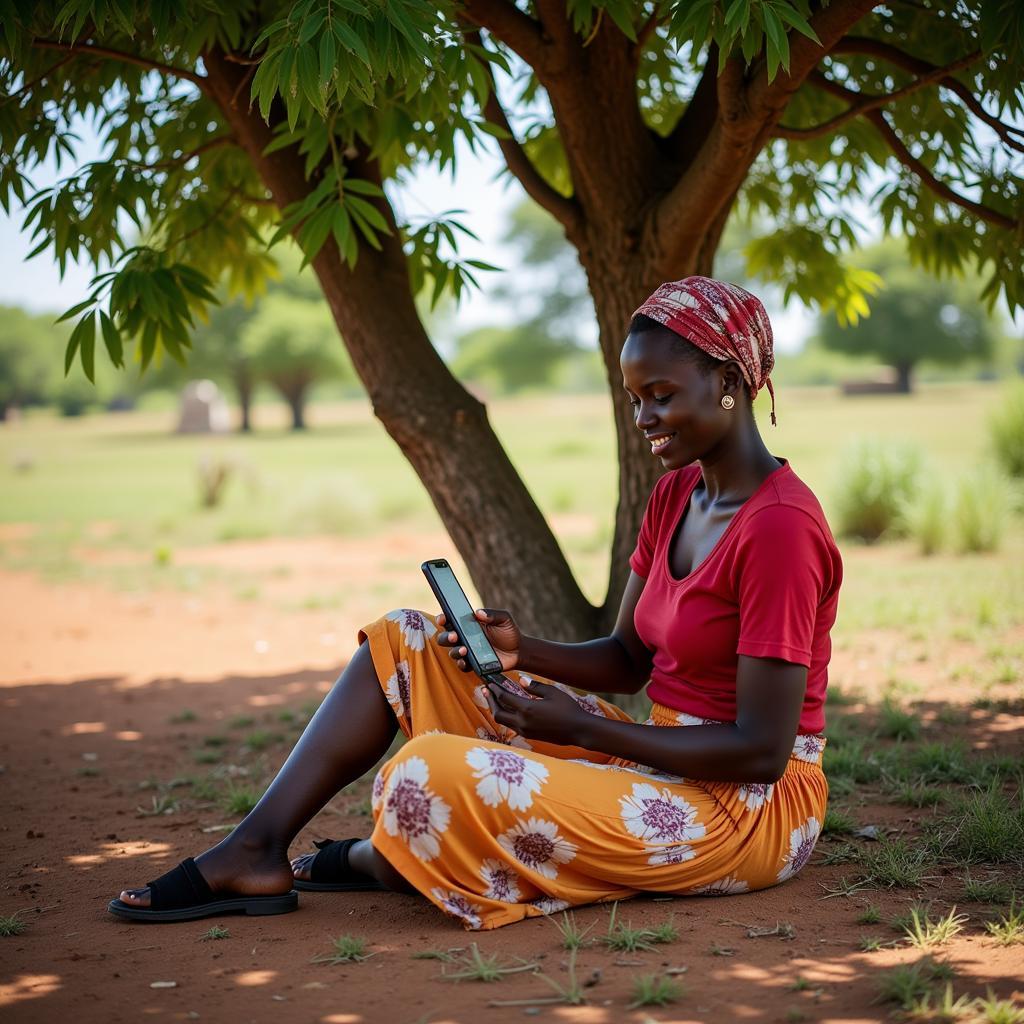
{"type": "Point", "coordinates": [640, 126]}
{"type": "Point", "coordinates": [913, 318]}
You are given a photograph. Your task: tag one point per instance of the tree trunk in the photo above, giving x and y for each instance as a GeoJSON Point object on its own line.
{"type": "Point", "coordinates": [294, 393]}
{"type": "Point", "coordinates": [903, 380]}
{"type": "Point", "coordinates": [512, 555]}
{"type": "Point", "coordinates": [244, 390]}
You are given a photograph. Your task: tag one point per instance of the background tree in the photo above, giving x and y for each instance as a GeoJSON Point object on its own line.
{"type": "Point", "coordinates": [913, 318]}
{"type": "Point", "coordinates": [27, 357]}
{"type": "Point", "coordinates": [292, 344]}
{"type": "Point", "coordinates": [640, 126]}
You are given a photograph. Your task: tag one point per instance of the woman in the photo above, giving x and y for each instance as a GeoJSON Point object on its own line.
{"type": "Point", "coordinates": [516, 800]}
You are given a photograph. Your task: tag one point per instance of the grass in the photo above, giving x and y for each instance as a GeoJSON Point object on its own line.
{"type": "Point", "coordinates": [844, 887]}
{"type": "Point", "coordinates": [475, 966]}
{"type": "Point", "coordinates": [624, 938]}
{"type": "Point", "coordinates": [985, 827]}
{"type": "Point", "coordinates": [163, 804]}
{"type": "Point", "coordinates": [239, 800]}
{"type": "Point", "coordinates": [837, 823]}
{"type": "Point", "coordinates": [241, 722]}
{"type": "Point", "coordinates": [12, 925]}
{"type": "Point", "coordinates": [999, 1011]}
{"type": "Point", "coordinates": [215, 933]}
{"type": "Point", "coordinates": [1009, 929]}
{"type": "Point", "coordinates": [906, 985]}
{"type": "Point", "coordinates": [894, 863]}
{"type": "Point", "coordinates": [904, 920]}
{"type": "Point", "coordinates": [183, 716]}
{"type": "Point", "coordinates": [986, 890]}
{"type": "Point", "coordinates": [652, 990]}
{"type": "Point", "coordinates": [871, 914]}
{"type": "Point", "coordinates": [573, 936]}
{"type": "Point", "coordinates": [260, 740]}
{"type": "Point", "coordinates": [346, 949]}
{"type": "Point", "coordinates": [897, 724]}
{"type": "Point", "coordinates": [923, 933]}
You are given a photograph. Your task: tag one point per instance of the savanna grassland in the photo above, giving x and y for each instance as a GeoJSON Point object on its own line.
{"type": "Point", "coordinates": [158, 658]}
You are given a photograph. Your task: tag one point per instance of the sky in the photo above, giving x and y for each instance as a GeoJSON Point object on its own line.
{"type": "Point", "coordinates": [37, 285]}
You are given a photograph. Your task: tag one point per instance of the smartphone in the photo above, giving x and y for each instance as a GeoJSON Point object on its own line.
{"type": "Point", "coordinates": [459, 617]}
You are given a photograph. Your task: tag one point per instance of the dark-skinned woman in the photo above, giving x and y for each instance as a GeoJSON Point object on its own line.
{"type": "Point", "coordinates": [514, 800]}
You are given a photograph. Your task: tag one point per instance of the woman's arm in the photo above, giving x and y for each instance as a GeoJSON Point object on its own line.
{"type": "Point", "coordinates": [619, 663]}
{"type": "Point", "coordinates": [769, 698]}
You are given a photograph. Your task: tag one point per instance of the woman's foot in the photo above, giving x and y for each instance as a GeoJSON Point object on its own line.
{"type": "Point", "coordinates": [235, 865]}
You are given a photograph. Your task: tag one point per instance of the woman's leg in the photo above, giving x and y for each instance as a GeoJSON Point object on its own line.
{"type": "Point", "coordinates": [350, 732]}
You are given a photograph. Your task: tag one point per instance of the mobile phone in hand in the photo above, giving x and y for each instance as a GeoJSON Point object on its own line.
{"type": "Point", "coordinates": [459, 617]}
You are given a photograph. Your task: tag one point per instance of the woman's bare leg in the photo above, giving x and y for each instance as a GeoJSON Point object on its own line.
{"type": "Point", "coordinates": [350, 732]}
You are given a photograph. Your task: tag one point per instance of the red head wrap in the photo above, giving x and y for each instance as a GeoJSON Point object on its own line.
{"type": "Point", "coordinates": [722, 319]}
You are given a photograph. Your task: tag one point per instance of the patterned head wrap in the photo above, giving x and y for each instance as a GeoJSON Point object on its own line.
{"type": "Point", "coordinates": [722, 319]}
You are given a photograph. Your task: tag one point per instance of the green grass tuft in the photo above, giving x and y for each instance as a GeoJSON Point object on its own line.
{"type": "Point", "coordinates": [987, 890]}
{"type": "Point", "coordinates": [870, 915]}
{"type": "Point", "coordinates": [215, 933]}
{"type": "Point", "coordinates": [923, 933]}
{"type": "Point", "coordinates": [895, 864]}
{"type": "Point", "coordinates": [837, 823]}
{"type": "Point", "coordinates": [1009, 929]}
{"type": "Point", "coordinates": [239, 800]}
{"type": "Point", "coordinates": [12, 925]}
{"type": "Point", "coordinates": [985, 827]}
{"type": "Point", "coordinates": [905, 985]}
{"type": "Point", "coordinates": [573, 936]}
{"type": "Point", "coordinates": [897, 724]}
{"type": "Point", "coordinates": [183, 716]}
{"type": "Point", "coordinates": [650, 990]}
{"type": "Point", "coordinates": [241, 722]}
{"type": "Point", "coordinates": [346, 949]}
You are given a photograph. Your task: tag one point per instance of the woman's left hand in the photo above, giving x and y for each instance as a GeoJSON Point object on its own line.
{"type": "Point", "coordinates": [549, 714]}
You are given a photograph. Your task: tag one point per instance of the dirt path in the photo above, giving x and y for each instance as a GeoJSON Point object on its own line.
{"type": "Point", "coordinates": [91, 682]}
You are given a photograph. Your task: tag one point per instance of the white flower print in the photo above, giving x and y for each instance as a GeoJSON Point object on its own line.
{"type": "Point", "coordinates": [801, 846]}
{"type": "Point", "coordinates": [756, 794]}
{"type": "Point", "coordinates": [675, 853]}
{"type": "Point", "coordinates": [659, 817]}
{"type": "Point", "coordinates": [549, 905]}
{"type": "Point", "coordinates": [397, 689]}
{"type": "Point", "coordinates": [457, 905]}
{"type": "Point", "coordinates": [502, 881]}
{"type": "Point", "coordinates": [727, 886]}
{"type": "Point", "coordinates": [417, 629]}
{"type": "Point", "coordinates": [505, 776]}
{"type": "Point", "coordinates": [594, 764]}
{"type": "Point", "coordinates": [377, 793]}
{"type": "Point", "coordinates": [587, 701]}
{"type": "Point", "coordinates": [809, 748]}
{"type": "Point", "coordinates": [685, 719]}
{"type": "Point", "coordinates": [414, 812]}
{"type": "Point", "coordinates": [537, 844]}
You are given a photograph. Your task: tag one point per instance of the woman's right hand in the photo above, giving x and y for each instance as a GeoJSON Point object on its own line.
{"type": "Point", "coordinates": [499, 627]}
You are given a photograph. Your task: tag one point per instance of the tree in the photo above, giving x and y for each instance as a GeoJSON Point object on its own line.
{"type": "Point", "coordinates": [292, 344]}
{"type": "Point", "coordinates": [640, 126]}
{"type": "Point", "coordinates": [913, 318]}
{"type": "Point", "coordinates": [27, 354]}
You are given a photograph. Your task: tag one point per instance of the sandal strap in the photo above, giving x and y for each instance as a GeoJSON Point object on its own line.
{"type": "Point", "coordinates": [183, 886]}
{"type": "Point", "coordinates": [331, 864]}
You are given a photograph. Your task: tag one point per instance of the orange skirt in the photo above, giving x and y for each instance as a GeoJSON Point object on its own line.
{"type": "Point", "coordinates": [493, 828]}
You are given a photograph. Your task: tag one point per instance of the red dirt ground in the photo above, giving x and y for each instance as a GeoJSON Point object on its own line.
{"type": "Point", "coordinates": [90, 679]}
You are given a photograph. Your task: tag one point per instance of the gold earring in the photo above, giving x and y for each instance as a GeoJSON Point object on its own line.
{"type": "Point", "coordinates": [728, 401]}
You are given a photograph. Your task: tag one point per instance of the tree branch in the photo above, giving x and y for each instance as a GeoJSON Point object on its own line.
{"type": "Point", "coordinates": [767, 100]}
{"type": "Point", "coordinates": [518, 31]}
{"type": "Point", "coordinates": [647, 29]}
{"type": "Point", "coordinates": [129, 58]}
{"type": "Point", "coordinates": [928, 179]}
{"type": "Point", "coordinates": [894, 55]}
{"type": "Point", "coordinates": [218, 140]}
{"type": "Point", "coordinates": [565, 210]}
{"type": "Point", "coordinates": [872, 101]}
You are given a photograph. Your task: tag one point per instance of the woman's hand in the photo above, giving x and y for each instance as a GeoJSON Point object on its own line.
{"type": "Point", "coordinates": [499, 627]}
{"type": "Point", "coordinates": [549, 714]}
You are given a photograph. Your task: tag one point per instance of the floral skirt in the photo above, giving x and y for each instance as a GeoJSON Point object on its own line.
{"type": "Point", "coordinates": [493, 828]}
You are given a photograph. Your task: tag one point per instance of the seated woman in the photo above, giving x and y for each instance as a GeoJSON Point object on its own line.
{"type": "Point", "coordinates": [514, 800]}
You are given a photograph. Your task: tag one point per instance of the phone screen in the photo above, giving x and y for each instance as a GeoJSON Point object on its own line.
{"type": "Point", "coordinates": [469, 628]}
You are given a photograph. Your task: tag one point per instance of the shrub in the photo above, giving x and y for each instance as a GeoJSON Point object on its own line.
{"type": "Point", "coordinates": [878, 481]}
{"type": "Point", "coordinates": [927, 516]}
{"type": "Point", "coordinates": [1006, 429]}
{"type": "Point", "coordinates": [981, 510]}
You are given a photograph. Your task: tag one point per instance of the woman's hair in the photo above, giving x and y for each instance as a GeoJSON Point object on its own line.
{"type": "Point", "coordinates": [685, 350]}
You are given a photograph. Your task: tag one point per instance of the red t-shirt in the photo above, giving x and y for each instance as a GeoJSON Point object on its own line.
{"type": "Point", "coordinates": [768, 589]}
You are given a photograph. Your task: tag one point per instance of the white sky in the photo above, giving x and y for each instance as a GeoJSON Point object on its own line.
{"type": "Point", "coordinates": [37, 285]}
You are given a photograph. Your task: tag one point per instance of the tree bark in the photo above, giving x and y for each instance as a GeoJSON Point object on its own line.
{"type": "Point", "coordinates": [904, 382]}
{"type": "Point", "coordinates": [244, 390]}
{"type": "Point", "coordinates": [443, 431]}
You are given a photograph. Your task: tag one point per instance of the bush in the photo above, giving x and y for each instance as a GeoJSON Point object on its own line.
{"type": "Point", "coordinates": [981, 510]}
{"type": "Point", "coordinates": [1007, 431]}
{"type": "Point", "coordinates": [878, 481]}
{"type": "Point", "coordinates": [927, 516]}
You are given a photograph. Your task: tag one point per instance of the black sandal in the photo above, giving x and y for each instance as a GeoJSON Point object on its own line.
{"type": "Point", "coordinates": [182, 894]}
{"type": "Point", "coordinates": [331, 871]}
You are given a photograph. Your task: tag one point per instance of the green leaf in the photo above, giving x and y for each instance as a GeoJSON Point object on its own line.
{"type": "Point", "coordinates": [352, 42]}
{"type": "Point", "coordinates": [369, 212]}
{"type": "Point", "coordinates": [74, 310]}
{"type": "Point", "coordinates": [327, 58]}
{"type": "Point", "coordinates": [366, 188]}
{"type": "Point", "coordinates": [112, 340]}
{"type": "Point", "coordinates": [796, 20]}
{"type": "Point", "coordinates": [88, 346]}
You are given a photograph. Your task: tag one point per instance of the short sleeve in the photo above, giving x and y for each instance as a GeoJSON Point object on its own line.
{"type": "Point", "coordinates": [643, 554]}
{"type": "Point", "coordinates": [785, 568]}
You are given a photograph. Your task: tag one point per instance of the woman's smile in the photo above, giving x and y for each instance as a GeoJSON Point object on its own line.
{"type": "Point", "coordinates": [659, 442]}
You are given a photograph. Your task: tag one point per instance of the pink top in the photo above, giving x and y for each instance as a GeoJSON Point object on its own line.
{"type": "Point", "coordinates": [768, 589]}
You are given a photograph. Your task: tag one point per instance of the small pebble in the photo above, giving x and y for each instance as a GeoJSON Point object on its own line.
{"type": "Point", "coordinates": [163, 984]}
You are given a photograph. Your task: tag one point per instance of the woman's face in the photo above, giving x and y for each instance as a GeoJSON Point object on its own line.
{"type": "Point", "coordinates": [675, 405]}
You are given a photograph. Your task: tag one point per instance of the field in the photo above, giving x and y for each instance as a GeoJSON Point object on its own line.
{"type": "Point", "coordinates": [157, 660]}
